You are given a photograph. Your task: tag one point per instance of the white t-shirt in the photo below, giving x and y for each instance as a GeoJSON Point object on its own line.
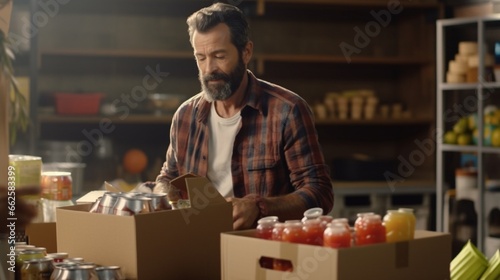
{"type": "Point", "coordinates": [220, 150]}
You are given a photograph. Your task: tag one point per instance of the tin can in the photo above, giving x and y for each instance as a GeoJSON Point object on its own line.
{"type": "Point", "coordinates": [109, 273]}
{"type": "Point", "coordinates": [87, 272]}
{"type": "Point", "coordinates": [129, 206]}
{"type": "Point", "coordinates": [57, 185]}
{"type": "Point", "coordinates": [74, 260]}
{"type": "Point", "coordinates": [107, 202]}
{"type": "Point", "coordinates": [37, 269]}
{"type": "Point", "coordinates": [57, 268]}
{"type": "Point", "coordinates": [159, 201]}
{"type": "Point", "coordinates": [95, 205]}
{"type": "Point", "coordinates": [58, 257]}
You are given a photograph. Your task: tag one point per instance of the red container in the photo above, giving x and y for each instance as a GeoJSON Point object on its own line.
{"type": "Point", "coordinates": [78, 103]}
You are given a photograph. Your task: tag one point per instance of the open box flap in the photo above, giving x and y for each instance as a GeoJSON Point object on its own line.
{"type": "Point", "coordinates": [201, 192]}
{"type": "Point", "coordinates": [180, 184]}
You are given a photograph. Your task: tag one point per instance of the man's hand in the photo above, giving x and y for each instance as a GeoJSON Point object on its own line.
{"type": "Point", "coordinates": [245, 212]}
{"type": "Point", "coordinates": [24, 212]}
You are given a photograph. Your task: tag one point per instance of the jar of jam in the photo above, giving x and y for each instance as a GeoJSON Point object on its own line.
{"type": "Point", "coordinates": [313, 232]}
{"type": "Point", "coordinates": [293, 232]}
{"type": "Point", "coordinates": [325, 220]}
{"type": "Point", "coordinates": [265, 227]}
{"type": "Point", "coordinates": [312, 213]}
{"type": "Point", "coordinates": [277, 233]}
{"type": "Point", "coordinates": [397, 225]}
{"type": "Point", "coordinates": [336, 235]}
{"type": "Point", "coordinates": [369, 230]}
{"type": "Point", "coordinates": [413, 220]}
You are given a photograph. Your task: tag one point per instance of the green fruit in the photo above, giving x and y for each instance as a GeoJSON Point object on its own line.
{"type": "Point", "coordinates": [472, 122]}
{"type": "Point", "coordinates": [450, 137]}
{"type": "Point", "coordinates": [464, 139]}
{"type": "Point", "coordinates": [461, 126]}
{"type": "Point", "coordinates": [495, 137]}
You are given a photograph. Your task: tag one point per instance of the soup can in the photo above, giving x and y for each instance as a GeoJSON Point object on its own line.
{"type": "Point", "coordinates": [109, 273]}
{"type": "Point", "coordinates": [57, 185]}
{"type": "Point", "coordinates": [159, 201]}
{"type": "Point", "coordinates": [87, 272]}
{"type": "Point", "coordinates": [107, 202]}
{"type": "Point", "coordinates": [129, 206]}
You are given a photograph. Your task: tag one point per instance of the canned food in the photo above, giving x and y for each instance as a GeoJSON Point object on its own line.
{"type": "Point", "coordinates": [57, 268]}
{"type": "Point", "coordinates": [129, 206]}
{"type": "Point", "coordinates": [109, 273]}
{"type": "Point", "coordinates": [74, 260]}
{"type": "Point", "coordinates": [37, 269]}
{"type": "Point", "coordinates": [95, 205]}
{"type": "Point", "coordinates": [158, 201]}
{"type": "Point", "coordinates": [87, 272]}
{"type": "Point", "coordinates": [58, 257]}
{"type": "Point", "coordinates": [57, 185]}
{"type": "Point", "coordinates": [107, 202]}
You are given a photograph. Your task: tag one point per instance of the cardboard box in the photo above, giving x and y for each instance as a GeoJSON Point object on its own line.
{"type": "Point", "coordinates": [173, 244]}
{"type": "Point", "coordinates": [42, 235]}
{"type": "Point", "coordinates": [428, 257]}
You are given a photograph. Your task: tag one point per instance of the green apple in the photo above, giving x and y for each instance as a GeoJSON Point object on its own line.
{"type": "Point", "coordinates": [450, 137]}
{"type": "Point", "coordinates": [461, 126]}
{"type": "Point", "coordinates": [464, 139]}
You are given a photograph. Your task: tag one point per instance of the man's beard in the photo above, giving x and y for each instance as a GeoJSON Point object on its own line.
{"type": "Point", "coordinates": [229, 85]}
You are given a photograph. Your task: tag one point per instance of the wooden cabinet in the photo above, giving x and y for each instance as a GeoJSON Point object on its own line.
{"type": "Point", "coordinates": [310, 47]}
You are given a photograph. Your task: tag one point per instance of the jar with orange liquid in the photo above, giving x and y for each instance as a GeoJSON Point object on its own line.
{"type": "Point", "coordinates": [313, 231]}
{"type": "Point", "coordinates": [369, 230]}
{"type": "Point", "coordinates": [337, 236]}
{"type": "Point", "coordinates": [325, 220]}
{"type": "Point", "coordinates": [277, 232]}
{"type": "Point", "coordinates": [397, 225]}
{"type": "Point", "coordinates": [293, 232]}
{"type": "Point", "coordinates": [265, 227]}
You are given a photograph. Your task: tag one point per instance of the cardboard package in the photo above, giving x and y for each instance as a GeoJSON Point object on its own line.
{"type": "Point", "coordinates": [428, 257]}
{"type": "Point", "coordinates": [42, 235]}
{"type": "Point", "coordinates": [171, 244]}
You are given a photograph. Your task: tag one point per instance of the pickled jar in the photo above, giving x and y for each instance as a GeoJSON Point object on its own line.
{"type": "Point", "coordinates": [313, 232]}
{"type": "Point", "coordinates": [37, 269]}
{"type": "Point", "coordinates": [369, 230]}
{"type": "Point", "coordinates": [293, 232]}
{"type": "Point", "coordinates": [397, 226]}
{"type": "Point", "coordinates": [277, 233]}
{"type": "Point", "coordinates": [265, 227]}
{"type": "Point", "coordinates": [413, 220]}
{"type": "Point", "coordinates": [336, 235]}
{"type": "Point", "coordinates": [28, 254]}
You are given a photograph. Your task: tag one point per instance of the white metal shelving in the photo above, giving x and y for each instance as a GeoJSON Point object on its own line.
{"type": "Point", "coordinates": [480, 27]}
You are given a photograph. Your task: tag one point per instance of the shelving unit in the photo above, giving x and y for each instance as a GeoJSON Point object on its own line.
{"type": "Point", "coordinates": [485, 31]}
{"type": "Point", "coordinates": [106, 45]}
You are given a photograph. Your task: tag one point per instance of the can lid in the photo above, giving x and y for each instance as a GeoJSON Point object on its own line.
{"type": "Point", "coordinates": [39, 260]}
{"type": "Point", "coordinates": [110, 267]}
{"type": "Point", "coordinates": [60, 255]}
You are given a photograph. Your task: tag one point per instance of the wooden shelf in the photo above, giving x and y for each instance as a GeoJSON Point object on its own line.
{"type": "Point", "coordinates": [378, 121]}
{"type": "Point", "coordinates": [382, 187]}
{"type": "Point", "coordinates": [470, 149]}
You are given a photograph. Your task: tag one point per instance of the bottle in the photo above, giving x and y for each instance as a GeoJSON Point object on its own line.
{"type": "Point", "coordinates": [337, 236]}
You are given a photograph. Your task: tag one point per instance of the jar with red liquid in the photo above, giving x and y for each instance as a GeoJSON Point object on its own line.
{"type": "Point", "coordinates": [336, 235]}
{"type": "Point", "coordinates": [265, 227]}
{"type": "Point", "coordinates": [325, 220]}
{"type": "Point", "coordinates": [277, 233]}
{"type": "Point", "coordinates": [312, 213]}
{"type": "Point", "coordinates": [369, 230]}
{"type": "Point", "coordinates": [313, 231]}
{"type": "Point", "coordinates": [293, 232]}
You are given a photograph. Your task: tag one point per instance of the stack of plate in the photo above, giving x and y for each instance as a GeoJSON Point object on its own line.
{"type": "Point", "coordinates": [469, 264]}
{"type": "Point", "coordinates": [493, 270]}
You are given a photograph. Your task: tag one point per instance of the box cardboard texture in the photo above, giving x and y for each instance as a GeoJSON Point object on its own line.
{"type": "Point", "coordinates": [428, 257]}
{"type": "Point", "coordinates": [42, 235]}
{"type": "Point", "coordinates": [173, 244]}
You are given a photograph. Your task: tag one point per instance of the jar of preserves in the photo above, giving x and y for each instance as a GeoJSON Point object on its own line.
{"type": "Point", "coordinates": [325, 220]}
{"type": "Point", "coordinates": [336, 235]}
{"type": "Point", "coordinates": [369, 230]}
{"type": "Point", "coordinates": [265, 227]}
{"type": "Point", "coordinates": [277, 233]}
{"type": "Point", "coordinates": [37, 269]}
{"type": "Point", "coordinates": [57, 185]}
{"type": "Point", "coordinates": [413, 220]}
{"type": "Point", "coordinates": [397, 225]}
{"type": "Point", "coordinates": [293, 232]}
{"type": "Point", "coordinates": [313, 232]}
{"type": "Point", "coordinates": [312, 213]}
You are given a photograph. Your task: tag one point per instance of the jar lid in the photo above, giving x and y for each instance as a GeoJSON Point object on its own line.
{"type": "Point", "coordinates": [267, 220]}
{"type": "Point", "coordinates": [56, 173]}
{"type": "Point", "coordinates": [313, 213]}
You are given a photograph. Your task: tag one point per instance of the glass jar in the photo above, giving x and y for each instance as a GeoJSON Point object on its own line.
{"type": "Point", "coordinates": [313, 232]}
{"type": "Point", "coordinates": [336, 235]}
{"type": "Point", "coordinates": [277, 233]}
{"type": "Point", "coordinates": [39, 269]}
{"type": "Point", "coordinates": [397, 225]}
{"type": "Point", "coordinates": [369, 230]}
{"type": "Point", "coordinates": [312, 213]}
{"type": "Point", "coordinates": [293, 232]}
{"type": "Point", "coordinates": [57, 185]}
{"type": "Point", "coordinates": [265, 227]}
{"type": "Point", "coordinates": [325, 220]}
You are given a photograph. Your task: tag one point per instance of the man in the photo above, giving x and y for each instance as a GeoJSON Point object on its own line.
{"type": "Point", "coordinates": [254, 140]}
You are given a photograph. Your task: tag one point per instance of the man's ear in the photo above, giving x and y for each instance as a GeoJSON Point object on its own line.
{"type": "Point", "coordinates": [247, 52]}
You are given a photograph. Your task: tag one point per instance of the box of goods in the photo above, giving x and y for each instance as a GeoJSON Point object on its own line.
{"type": "Point", "coordinates": [244, 256]}
{"type": "Point", "coordinates": [78, 103]}
{"type": "Point", "coordinates": [42, 235]}
{"type": "Point", "coordinates": [174, 244]}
